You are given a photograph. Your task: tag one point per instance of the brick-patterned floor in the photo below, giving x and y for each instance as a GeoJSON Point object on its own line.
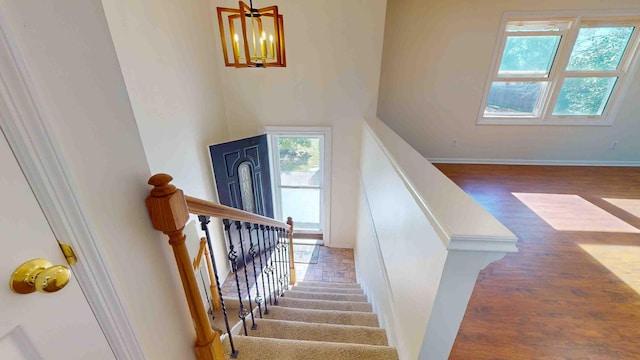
{"type": "Point", "coordinates": [334, 265]}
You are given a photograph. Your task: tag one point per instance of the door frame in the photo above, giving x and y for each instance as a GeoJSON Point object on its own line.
{"type": "Point", "coordinates": [272, 131]}
{"type": "Point", "coordinates": [23, 122]}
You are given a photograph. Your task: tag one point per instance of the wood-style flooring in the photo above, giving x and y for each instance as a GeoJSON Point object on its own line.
{"type": "Point", "coordinates": [569, 291]}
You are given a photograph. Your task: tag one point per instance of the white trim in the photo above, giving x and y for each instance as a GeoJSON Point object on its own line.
{"type": "Point", "coordinates": [24, 343]}
{"type": "Point", "coordinates": [327, 167]}
{"type": "Point", "coordinates": [486, 243]}
{"type": "Point", "coordinates": [22, 120]}
{"type": "Point", "coordinates": [287, 130]}
{"type": "Point", "coordinates": [532, 162]}
{"type": "Point", "coordinates": [555, 121]}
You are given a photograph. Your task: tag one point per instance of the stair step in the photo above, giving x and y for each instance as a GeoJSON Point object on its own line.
{"type": "Point", "coordinates": [323, 316]}
{"type": "Point", "coordinates": [325, 304]}
{"type": "Point", "coordinates": [232, 307]}
{"type": "Point", "coordinates": [328, 284]}
{"type": "Point", "coordinates": [324, 296]}
{"type": "Point", "coordinates": [326, 289]}
{"type": "Point", "coordinates": [295, 330]}
{"type": "Point", "coordinates": [254, 348]}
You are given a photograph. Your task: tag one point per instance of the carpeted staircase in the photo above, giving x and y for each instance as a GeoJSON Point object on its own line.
{"type": "Point", "coordinates": [313, 321]}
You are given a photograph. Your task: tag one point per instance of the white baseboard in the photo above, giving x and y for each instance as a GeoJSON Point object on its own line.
{"type": "Point", "coordinates": [532, 162]}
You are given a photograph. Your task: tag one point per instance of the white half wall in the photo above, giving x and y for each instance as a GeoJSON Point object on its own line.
{"type": "Point", "coordinates": [333, 49]}
{"type": "Point", "coordinates": [435, 65]}
{"type": "Point", "coordinates": [371, 271]}
{"type": "Point", "coordinates": [421, 243]}
{"type": "Point", "coordinates": [412, 252]}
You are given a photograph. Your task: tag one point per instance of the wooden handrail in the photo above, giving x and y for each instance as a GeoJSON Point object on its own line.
{"type": "Point", "coordinates": [202, 207]}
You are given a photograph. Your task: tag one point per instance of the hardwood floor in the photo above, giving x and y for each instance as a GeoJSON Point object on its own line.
{"type": "Point", "coordinates": [553, 299]}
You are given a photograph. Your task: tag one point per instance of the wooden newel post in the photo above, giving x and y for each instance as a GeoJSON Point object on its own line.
{"type": "Point", "coordinates": [292, 265]}
{"type": "Point", "coordinates": [168, 211]}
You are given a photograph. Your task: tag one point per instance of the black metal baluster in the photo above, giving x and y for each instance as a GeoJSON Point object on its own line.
{"type": "Point", "coordinates": [274, 267]}
{"type": "Point", "coordinates": [246, 275]}
{"type": "Point", "coordinates": [233, 257]}
{"type": "Point", "coordinates": [274, 238]}
{"type": "Point", "coordinates": [262, 273]}
{"type": "Point", "coordinates": [267, 269]}
{"type": "Point", "coordinates": [204, 221]}
{"type": "Point", "coordinates": [287, 257]}
{"type": "Point", "coordinates": [282, 267]}
{"type": "Point", "coordinates": [252, 252]}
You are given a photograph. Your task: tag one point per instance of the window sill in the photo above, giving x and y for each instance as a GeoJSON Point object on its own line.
{"type": "Point", "coordinates": [555, 121]}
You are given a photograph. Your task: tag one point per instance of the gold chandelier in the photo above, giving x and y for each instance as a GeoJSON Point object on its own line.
{"type": "Point", "coordinates": [255, 36]}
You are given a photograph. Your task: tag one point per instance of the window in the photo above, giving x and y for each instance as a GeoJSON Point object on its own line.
{"type": "Point", "coordinates": [559, 71]}
{"type": "Point", "coordinates": [301, 180]}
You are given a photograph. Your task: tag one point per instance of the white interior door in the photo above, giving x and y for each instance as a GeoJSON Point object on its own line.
{"type": "Point", "coordinates": [38, 326]}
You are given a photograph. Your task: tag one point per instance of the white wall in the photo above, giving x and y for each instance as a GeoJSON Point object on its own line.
{"type": "Point", "coordinates": [69, 53]}
{"type": "Point", "coordinates": [436, 59]}
{"type": "Point", "coordinates": [331, 79]}
{"type": "Point", "coordinates": [167, 52]}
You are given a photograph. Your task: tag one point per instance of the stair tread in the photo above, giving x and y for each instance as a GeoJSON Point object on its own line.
{"type": "Point", "coordinates": [355, 291]}
{"type": "Point", "coordinates": [254, 348]}
{"type": "Point", "coordinates": [296, 330]}
{"type": "Point", "coordinates": [325, 304]}
{"type": "Point", "coordinates": [328, 284]}
{"type": "Point", "coordinates": [296, 294]}
{"type": "Point", "coordinates": [359, 318]}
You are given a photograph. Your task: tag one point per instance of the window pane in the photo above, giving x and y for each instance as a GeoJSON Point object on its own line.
{"type": "Point", "coordinates": [513, 98]}
{"type": "Point", "coordinates": [303, 205]}
{"type": "Point", "coordinates": [246, 187]}
{"type": "Point", "coordinates": [584, 96]}
{"type": "Point", "coordinates": [529, 56]}
{"type": "Point", "coordinates": [299, 161]}
{"type": "Point", "coordinates": [599, 48]}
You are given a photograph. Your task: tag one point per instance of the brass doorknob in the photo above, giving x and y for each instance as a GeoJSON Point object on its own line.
{"type": "Point", "coordinates": [39, 275]}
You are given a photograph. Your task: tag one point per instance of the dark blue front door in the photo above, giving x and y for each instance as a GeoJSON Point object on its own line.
{"type": "Point", "coordinates": [243, 181]}
{"type": "Point", "coordinates": [241, 170]}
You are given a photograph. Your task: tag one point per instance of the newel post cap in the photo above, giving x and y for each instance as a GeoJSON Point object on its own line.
{"type": "Point", "coordinates": [166, 204]}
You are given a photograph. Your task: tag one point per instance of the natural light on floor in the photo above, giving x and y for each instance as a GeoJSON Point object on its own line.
{"type": "Point", "coordinates": [632, 206]}
{"type": "Point", "coordinates": [566, 212]}
{"type": "Point", "coordinates": [623, 261]}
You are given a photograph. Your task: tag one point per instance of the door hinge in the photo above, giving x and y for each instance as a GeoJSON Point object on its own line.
{"type": "Point", "coordinates": [68, 252]}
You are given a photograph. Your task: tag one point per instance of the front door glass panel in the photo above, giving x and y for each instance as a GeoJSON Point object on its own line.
{"type": "Point", "coordinates": [246, 187]}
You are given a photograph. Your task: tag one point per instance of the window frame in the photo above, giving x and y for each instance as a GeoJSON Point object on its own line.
{"type": "Point", "coordinates": [324, 133]}
{"type": "Point", "coordinates": [549, 95]}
